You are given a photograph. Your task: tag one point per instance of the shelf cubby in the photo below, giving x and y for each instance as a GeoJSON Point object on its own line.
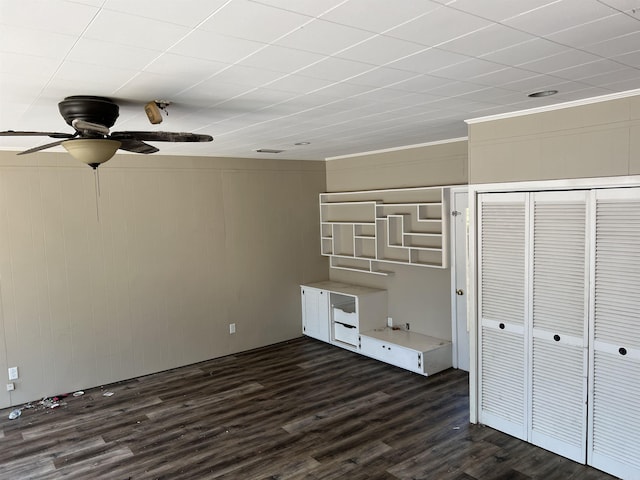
{"type": "Point", "coordinates": [327, 246]}
{"type": "Point", "coordinates": [429, 241]}
{"type": "Point", "coordinates": [354, 265]}
{"type": "Point", "coordinates": [348, 212]}
{"type": "Point", "coordinates": [326, 230]}
{"type": "Point", "coordinates": [362, 230]}
{"type": "Point", "coordinates": [364, 247]}
{"type": "Point", "coordinates": [426, 257]}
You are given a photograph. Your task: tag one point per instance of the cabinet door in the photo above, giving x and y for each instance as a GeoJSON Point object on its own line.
{"type": "Point", "coordinates": [391, 353]}
{"type": "Point", "coordinates": [315, 313]}
{"type": "Point", "coordinates": [614, 417]}
{"type": "Point", "coordinates": [559, 323]}
{"type": "Point", "coordinates": [502, 250]}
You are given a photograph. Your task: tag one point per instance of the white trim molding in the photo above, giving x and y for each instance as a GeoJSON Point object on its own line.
{"type": "Point", "coordinates": [557, 106]}
{"type": "Point", "coordinates": [396, 149]}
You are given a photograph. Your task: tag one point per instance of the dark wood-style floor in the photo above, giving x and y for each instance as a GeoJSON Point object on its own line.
{"type": "Point", "coordinates": [299, 409]}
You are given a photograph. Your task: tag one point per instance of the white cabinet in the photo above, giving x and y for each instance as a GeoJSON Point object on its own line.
{"type": "Point", "coordinates": [353, 317]}
{"type": "Point", "coordinates": [349, 310]}
{"type": "Point", "coordinates": [315, 313]}
{"type": "Point", "coordinates": [409, 350]}
{"type": "Point", "coordinates": [559, 328]}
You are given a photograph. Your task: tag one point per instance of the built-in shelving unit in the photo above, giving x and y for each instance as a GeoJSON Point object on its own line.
{"type": "Point", "coordinates": [362, 231]}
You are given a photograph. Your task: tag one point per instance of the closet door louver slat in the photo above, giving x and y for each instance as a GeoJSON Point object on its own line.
{"type": "Point", "coordinates": [614, 419]}
{"type": "Point", "coordinates": [502, 312]}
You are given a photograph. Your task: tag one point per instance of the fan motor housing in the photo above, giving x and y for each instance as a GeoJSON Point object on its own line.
{"type": "Point", "coordinates": [100, 110]}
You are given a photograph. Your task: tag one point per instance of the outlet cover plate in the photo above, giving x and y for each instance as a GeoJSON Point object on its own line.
{"type": "Point", "coordinates": [13, 373]}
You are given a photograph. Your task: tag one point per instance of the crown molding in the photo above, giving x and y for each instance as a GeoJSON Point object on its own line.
{"type": "Point", "coordinates": [556, 106]}
{"type": "Point", "coordinates": [396, 149]}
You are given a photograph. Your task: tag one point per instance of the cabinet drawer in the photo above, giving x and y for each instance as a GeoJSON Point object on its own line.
{"type": "Point", "coordinates": [391, 353]}
{"type": "Point", "coordinates": [345, 333]}
{"type": "Point", "coordinates": [348, 318]}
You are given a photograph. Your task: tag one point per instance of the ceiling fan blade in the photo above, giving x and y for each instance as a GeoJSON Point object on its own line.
{"type": "Point", "coordinates": [162, 136]}
{"type": "Point", "coordinates": [12, 133]}
{"type": "Point", "coordinates": [43, 147]}
{"type": "Point", "coordinates": [136, 146]}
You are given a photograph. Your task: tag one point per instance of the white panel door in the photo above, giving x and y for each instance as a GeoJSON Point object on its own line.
{"type": "Point", "coordinates": [460, 259]}
{"type": "Point", "coordinates": [614, 396]}
{"type": "Point", "coordinates": [502, 278]}
{"type": "Point", "coordinates": [559, 322]}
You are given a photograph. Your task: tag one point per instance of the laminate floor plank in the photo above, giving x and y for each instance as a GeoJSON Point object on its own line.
{"type": "Point", "coordinates": [339, 413]}
{"type": "Point", "coordinates": [298, 410]}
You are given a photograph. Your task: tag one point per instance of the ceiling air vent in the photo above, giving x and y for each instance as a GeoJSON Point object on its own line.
{"type": "Point", "coordinates": [268, 150]}
{"type": "Point", "coordinates": [543, 93]}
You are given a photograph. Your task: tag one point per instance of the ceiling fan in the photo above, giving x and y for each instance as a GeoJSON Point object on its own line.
{"type": "Point", "coordinates": [92, 143]}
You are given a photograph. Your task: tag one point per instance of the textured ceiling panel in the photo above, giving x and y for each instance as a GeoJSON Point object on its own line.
{"type": "Point", "coordinates": [348, 76]}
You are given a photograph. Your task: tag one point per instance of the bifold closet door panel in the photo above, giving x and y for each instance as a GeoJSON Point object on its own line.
{"type": "Point", "coordinates": [614, 417]}
{"type": "Point", "coordinates": [559, 322]}
{"type": "Point", "coordinates": [502, 277]}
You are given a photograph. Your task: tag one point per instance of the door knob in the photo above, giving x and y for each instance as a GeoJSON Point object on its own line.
{"type": "Point", "coordinates": [459, 292]}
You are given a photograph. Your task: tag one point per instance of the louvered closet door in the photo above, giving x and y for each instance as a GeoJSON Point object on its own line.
{"type": "Point", "coordinates": [614, 419]}
{"type": "Point", "coordinates": [501, 299]}
{"type": "Point", "coordinates": [559, 323]}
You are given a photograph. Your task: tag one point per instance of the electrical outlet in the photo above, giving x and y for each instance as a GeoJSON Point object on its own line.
{"type": "Point", "coordinates": [11, 387]}
{"type": "Point", "coordinates": [389, 322]}
{"type": "Point", "coordinates": [232, 328]}
{"type": "Point", "coordinates": [13, 373]}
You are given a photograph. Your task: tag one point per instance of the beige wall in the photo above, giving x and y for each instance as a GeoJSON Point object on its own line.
{"type": "Point", "coordinates": [441, 164]}
{"type": "Point", "coordinates": [597, 140]}
{"type": "Point", "coordinates": [418, 295]}
{"type": "Point", "coordinates": [182, 248]}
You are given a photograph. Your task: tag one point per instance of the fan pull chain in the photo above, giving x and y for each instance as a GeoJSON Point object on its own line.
{"type": "Point", "coordinates": [96, 177]}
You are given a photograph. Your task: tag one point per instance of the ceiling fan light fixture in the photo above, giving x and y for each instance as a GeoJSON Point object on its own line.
{"type": "Point", "coordinates": [92, 151]}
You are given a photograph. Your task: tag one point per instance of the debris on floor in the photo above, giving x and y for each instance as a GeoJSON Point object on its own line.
{"type": "Point", "coordinates": [56, 401]}
{"type": "Point", "coordinates": [53, 402]}
{"type": "Point", "coordinates": [15, 413]}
